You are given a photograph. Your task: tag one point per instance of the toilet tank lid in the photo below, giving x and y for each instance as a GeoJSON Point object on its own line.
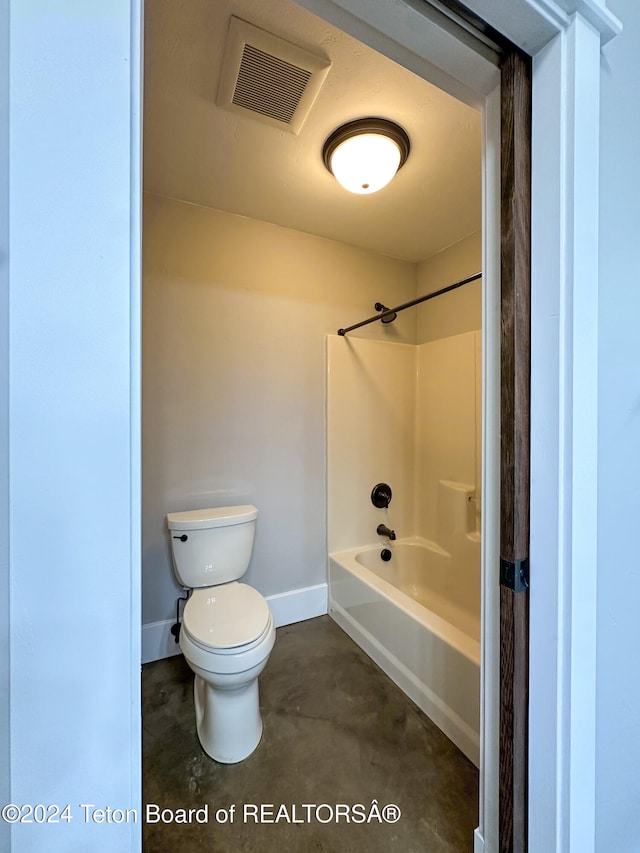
{"type": "Point", "coordinates": [221, 516]}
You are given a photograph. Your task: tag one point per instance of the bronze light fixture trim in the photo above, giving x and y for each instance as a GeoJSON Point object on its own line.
{"type": "Point", "coordinates": [378, 132]}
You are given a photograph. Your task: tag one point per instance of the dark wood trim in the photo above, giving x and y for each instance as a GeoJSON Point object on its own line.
{"type": "Point", "coordinates": [514, 437]}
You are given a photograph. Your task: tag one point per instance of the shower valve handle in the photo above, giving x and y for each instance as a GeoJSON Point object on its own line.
{"type": "Point", "coordinates": [381, 495]}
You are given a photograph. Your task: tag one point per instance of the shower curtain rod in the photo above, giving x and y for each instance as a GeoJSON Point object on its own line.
{"type": "Point", "coordinates": [413, 302]}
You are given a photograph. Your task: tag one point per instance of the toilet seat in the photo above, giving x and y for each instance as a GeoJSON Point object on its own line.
{"type": "Point", "coordinates": [226, 619]}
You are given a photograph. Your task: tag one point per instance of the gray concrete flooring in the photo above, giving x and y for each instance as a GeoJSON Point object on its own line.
{"type": "Point", "coordinates": [336, 731]}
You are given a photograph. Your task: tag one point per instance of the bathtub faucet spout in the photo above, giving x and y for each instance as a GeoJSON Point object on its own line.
{"type": "Point", "coordinates": [383, 530]}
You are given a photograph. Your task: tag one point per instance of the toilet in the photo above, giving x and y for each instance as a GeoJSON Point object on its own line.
{"type": "Point", "coordinates": [227, 630]}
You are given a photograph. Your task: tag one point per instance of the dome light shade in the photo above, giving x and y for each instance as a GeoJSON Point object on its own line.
{"type": "Point", "coordinates": [365, 154]}
{"type": "Point", "coordinates": [365, 164]}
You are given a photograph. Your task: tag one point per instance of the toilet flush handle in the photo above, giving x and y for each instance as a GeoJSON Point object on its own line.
{"type": "Point", "coordinates": [182, 538]}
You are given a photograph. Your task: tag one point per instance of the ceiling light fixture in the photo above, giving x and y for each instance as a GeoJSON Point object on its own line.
{"type": "Point", "coordinates": [364, 155]}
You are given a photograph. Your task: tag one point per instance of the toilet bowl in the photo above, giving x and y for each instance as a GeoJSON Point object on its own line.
{"type": "Point", "coordinates": [227, 631]}
{"type": "Point", "coordinates": [226, 669]}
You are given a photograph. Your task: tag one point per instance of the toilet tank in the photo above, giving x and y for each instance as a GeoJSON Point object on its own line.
{"type": "Point", "coordinates": [211, 546]}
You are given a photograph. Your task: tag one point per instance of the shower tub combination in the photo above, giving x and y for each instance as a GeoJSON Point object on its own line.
{"type": "Point", "coordinates": [417, 616]}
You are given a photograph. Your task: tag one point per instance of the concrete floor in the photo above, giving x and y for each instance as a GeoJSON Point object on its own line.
{"type": "Point", "coordinates": [336, 731]}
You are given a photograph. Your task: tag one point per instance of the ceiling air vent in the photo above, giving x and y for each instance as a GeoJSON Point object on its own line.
{"type": "Point", "coordinates": [274, 80]}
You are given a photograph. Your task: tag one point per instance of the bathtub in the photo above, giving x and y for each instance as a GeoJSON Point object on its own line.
{"type": "Point", "coordinates": [418, 617]}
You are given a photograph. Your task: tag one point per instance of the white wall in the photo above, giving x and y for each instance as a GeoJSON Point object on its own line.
{"type": "Point", "coordinates": [4, 419]}
{"type": "Point", "coordinates": [448, 431]}
{"type": "Point", "coordinates": [371, 403]}
{"type": "Point", "coordinates": [618, 623]}
{"type": "Point", "coordinates": [407, 416]}
{"type": "Point", "coordinates": [74, 496]}
{"type": "Point", "coordinates": [236, 313]}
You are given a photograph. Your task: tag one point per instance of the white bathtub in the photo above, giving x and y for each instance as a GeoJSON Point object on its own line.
{"type": "Point", "coordinates": [418, 617]}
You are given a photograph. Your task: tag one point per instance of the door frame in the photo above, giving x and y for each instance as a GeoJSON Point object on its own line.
{"type": "Point", "coordinates": [515, 406]}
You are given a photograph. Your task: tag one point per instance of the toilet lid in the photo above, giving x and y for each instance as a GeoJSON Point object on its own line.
{"type": "Point", "coordinates": [232, 614]}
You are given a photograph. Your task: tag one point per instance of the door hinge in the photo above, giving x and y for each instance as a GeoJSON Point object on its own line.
{"type": "Point", "coordinates": [514, 575]}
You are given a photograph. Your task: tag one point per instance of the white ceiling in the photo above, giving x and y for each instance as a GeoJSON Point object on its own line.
{"type": "Point", "coordinates": [205, 154]}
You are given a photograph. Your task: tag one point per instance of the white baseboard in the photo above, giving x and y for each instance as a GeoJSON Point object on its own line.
{"type": "Point", "coordinates": [299, 604]}
{"type": "Point", "coordinates": [158, 641]}
{"type": "Point", "coordinates": [296, 605]}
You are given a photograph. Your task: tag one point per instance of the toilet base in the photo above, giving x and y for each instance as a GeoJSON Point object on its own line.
{"type": "Point", "coordinates": [228, 721]}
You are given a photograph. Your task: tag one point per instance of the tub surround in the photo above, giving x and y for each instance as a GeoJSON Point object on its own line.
{"type": "Point", "coordinates": [410, 416]}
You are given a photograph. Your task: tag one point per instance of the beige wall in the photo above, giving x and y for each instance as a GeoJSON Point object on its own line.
{"type": "Point", "coordinates": [236, 314]}
{"type": "Point", "coordinates": [458, 311]}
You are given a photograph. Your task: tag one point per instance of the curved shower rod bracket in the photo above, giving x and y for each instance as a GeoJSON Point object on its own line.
{"type": "Point", "coordinates": [386, 315]}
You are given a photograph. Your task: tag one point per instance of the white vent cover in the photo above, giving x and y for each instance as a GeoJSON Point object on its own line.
{"type": "Point", "coordinates": [274, 80]}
